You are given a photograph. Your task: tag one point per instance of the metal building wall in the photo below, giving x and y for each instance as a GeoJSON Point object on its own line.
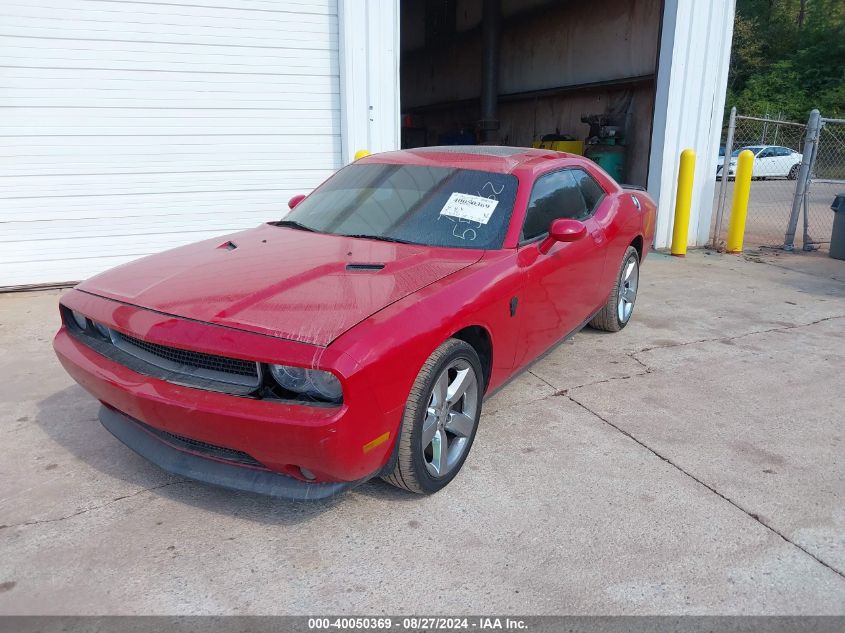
{"type": "Point", "coordinates": [133, 127]}
{"type": "Point", "coordinates": [692, 79]}
{"type": "Point", "coordinates": [560, 60]}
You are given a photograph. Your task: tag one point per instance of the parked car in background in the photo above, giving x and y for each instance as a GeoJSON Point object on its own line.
{"type": "Point", "coordinates": [770, 161]}
{"type": "Point", "coordinates": [358, 336]}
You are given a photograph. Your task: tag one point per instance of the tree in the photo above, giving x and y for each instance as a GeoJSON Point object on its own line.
{"type": "Point", "coordinates": [788, 57]}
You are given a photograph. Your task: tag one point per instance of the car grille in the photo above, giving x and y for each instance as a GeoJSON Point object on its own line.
{"type": "Point", "coordinates": [195, 359]}
{"type": "Point", "coordinates": [196, 365]}
{"type": "Point", "coordinates": [202, 448]}
{"type": "Point", "coordinates": [234, 376]}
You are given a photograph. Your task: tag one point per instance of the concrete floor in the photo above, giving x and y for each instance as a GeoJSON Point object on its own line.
{"type": "Point", "coordinates": [693, 463]}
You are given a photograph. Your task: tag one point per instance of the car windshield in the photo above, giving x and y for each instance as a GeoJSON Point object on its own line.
{"type": "Point", "coordinates": [754, 148]}
{"type": "Point", "coordinates": [436, 206]}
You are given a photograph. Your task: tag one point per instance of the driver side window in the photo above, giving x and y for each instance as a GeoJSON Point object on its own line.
{"type": "Point", "coordinates": [555, 195]}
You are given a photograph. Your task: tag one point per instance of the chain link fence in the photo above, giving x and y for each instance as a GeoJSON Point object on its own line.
{"type": "Point", "coordinates": [798, 170]}
{"type": "Point", "coordinates": [777, 146]}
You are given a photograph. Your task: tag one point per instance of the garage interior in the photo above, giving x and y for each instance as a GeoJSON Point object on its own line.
{"type": "Point", "coordinates": [580, 75]}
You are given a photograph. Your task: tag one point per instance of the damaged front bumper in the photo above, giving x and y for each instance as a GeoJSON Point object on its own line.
{"type": "Point", "coordinates": [281, 448]}
{"type": "Point", "coordinates": [164, 451]}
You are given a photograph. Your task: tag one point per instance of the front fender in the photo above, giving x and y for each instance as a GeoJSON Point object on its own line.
{"type": "Point", "coordinates": [392, 345]}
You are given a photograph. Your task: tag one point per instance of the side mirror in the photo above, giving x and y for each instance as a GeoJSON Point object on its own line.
{"type": "Point", "coordinates": [563, 230]}
{"type": "Point", "coordinates": [296, 200]}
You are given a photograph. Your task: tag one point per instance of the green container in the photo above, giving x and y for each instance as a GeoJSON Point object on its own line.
{"type": "Point", "coordinates": [611, 158]}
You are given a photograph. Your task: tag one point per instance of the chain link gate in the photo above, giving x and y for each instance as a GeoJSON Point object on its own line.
{"type": "Point", "coordinates": [798, 170]}
{"type": "Point", "coordinates": [778, 150]}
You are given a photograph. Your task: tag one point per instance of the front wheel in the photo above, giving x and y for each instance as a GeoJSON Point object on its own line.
{"type": "Point", "coordinates": [620, 304]}
{"type": "Point", "coordinates": [793, 172]}
{"type": "Point", "coordinates": [440, 419]}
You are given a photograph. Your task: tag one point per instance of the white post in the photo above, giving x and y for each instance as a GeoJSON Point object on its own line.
{"type": "Point", "coordinates": [369, 76]}
{"type": "Point", "coordinates": [689, 107]}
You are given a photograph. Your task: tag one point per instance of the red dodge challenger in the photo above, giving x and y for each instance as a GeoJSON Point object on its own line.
{"type": "Point", "coordinates": [358, 336]}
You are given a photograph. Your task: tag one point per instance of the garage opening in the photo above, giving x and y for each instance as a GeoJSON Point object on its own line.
{"type": "Point", "coordinates": [576, 76]}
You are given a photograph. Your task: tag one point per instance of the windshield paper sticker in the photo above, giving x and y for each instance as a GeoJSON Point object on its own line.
{"type": "Point", "coordinates": [466, 206]}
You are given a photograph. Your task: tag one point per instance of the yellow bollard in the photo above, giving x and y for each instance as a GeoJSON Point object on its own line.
{"type": "Point", "coordinates": [361, 153]}
{"type": "Point", "coordinates": [683, 202]}
{"type": "Point", "coordinates": [739, 206]}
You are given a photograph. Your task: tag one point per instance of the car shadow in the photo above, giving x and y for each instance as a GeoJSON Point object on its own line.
{"type": "Point", "coordinates": [69, 417]}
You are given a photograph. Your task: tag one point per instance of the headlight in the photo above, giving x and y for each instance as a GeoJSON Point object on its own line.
{"type": "Point", "coordinates": [80, 319]}
{"type": "Point", "coordinates": [311, 382]}
{"type": "Point", "coordinates": [103, 330]}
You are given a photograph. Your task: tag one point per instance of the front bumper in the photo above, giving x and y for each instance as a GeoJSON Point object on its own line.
{"type": "Point", "coordinates": [341, 445]}
{"type": "Point", "coordinates": [211, 471]}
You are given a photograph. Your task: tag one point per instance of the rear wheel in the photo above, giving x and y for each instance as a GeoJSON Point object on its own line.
{"type": "Point", "coordinates": [620, 304]}
{"type": "Point", "coordinates": [440, 419]}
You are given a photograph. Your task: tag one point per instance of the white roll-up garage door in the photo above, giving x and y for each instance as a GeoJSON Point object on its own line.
{"type": "Point", "coordinates": [130, 127]}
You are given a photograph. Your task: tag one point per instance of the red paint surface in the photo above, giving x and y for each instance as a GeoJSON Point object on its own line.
{"type": "Point", "coordinates": [277, 280]}
{"type": "Point", "coordinates": [285, 296]}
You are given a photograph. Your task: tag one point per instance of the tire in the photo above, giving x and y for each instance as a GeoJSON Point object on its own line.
{"type": "Point", "coordinates": [416, 465]}
{"type": "Point", "coordinates": [612, 318]}
{"type": "Point", "coordinates": [793, 172]}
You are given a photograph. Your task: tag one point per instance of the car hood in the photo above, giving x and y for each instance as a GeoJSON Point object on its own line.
{"type": "Point", "coordinates": [293, 284]}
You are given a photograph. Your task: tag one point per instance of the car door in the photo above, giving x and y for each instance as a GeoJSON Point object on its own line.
{"type": "Point", "coordinates": [780, 162]}
{"type": "Point", "coordinates": [766, 163]}
{"type": "Point", "coordinates": [786, 162]}
{"type": "Point", "coordinates": [564, 285]}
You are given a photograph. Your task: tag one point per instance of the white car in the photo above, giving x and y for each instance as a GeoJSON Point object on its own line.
{"type": "Point", "coordinates": [770, 161]}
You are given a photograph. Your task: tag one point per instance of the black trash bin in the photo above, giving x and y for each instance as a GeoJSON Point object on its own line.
{"type": "Point", "coordinates": [837, 237]}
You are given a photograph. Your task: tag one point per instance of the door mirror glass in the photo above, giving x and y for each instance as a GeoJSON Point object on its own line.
{"type": "Point", "coordinates": [563, 230]}
{"type": "Point", "coordinates": [296, 200]}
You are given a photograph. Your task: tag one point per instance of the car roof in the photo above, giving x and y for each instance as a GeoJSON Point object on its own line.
{"type": "Point", "coordinates": [768, 147]}
{"type": "Point", "coordinates": [495, 158]}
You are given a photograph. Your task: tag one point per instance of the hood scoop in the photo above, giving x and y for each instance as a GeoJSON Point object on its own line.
{"type": "Point", "coordinates": [364, 268]}
{"type": "Point", "coordinates": [228, 245]}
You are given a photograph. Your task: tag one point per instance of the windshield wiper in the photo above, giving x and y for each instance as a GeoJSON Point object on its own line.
{"type": "Point", "coordinates": [293, 224]}
{"type": "Point", "coordinates": [380, 238]}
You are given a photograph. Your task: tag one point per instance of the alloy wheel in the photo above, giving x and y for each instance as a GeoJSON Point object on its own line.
{"type": "Point", "coordinates": [628, 283]}
{"type": "Point", "coordinates": [449, 417]}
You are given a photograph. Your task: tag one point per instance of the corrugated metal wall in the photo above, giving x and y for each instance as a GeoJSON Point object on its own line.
{"type": "Point", "coordinates": [689, 107]}
{"type": "Point", "coordinates": [553, 56]}
{"type": "Point", "coordinates": [132, 127]}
